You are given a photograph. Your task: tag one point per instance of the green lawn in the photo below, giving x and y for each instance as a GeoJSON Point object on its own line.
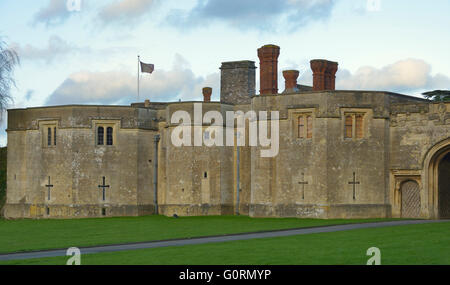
{"type": "Point", "coordinates": [426, 244]}
{"type": "Point", "coordinates": [26, 235]}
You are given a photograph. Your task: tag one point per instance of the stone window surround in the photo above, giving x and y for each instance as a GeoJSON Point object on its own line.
{"type": "Point", "coordinates": [307, 124]}
{"type": "Point", "coordinates": [366, 113]}
{"type": "Point", "coordinates": [44, 125]}
{"type": "Point", "coordinates": [294, 115]}
{"type": "Point", "coordinates": [105, 124]}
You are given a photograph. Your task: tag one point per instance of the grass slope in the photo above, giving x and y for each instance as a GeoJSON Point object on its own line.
{"type": "Point", "coordinates": [2, 177]}
{"type": "Point", "coordinates": [25, 235]}
{"type": "Point", "coordinates": [426, 244]}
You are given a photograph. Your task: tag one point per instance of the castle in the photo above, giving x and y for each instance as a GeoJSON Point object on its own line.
{"type": "Point", "coordinates": [342, 154]}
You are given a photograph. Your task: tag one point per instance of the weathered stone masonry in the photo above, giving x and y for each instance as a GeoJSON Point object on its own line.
{"type": "Point", "coordinates": [362, 154]}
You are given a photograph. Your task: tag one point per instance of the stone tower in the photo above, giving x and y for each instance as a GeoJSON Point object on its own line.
{"type": "Point", "coordinates": [237, 82]}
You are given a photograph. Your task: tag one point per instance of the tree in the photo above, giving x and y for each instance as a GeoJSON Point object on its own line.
{"type": "Point", "coordinates": [8, 61]}
{"type": "Point", "coordinates": [438, 95]}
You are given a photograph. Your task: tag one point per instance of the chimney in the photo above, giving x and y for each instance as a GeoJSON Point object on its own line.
{"type": "Point", "coordinates": [290, 77]}
{"type": "Point", "coordinates": [268, 58]}
{"type": "Point", "coordinates": [237, 82]}
{"type": "Point", "coordinates": [324, 74]}
{"type": "Point", "coordinates": [147, 103]}
{"type": "Point", "coordinates": [207, 91]}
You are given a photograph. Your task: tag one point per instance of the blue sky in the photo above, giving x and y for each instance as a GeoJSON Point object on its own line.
{"type": "Point", "coordinates": [90, 56]}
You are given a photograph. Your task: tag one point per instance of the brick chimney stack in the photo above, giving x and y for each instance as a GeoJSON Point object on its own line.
{"type": "Point", "coordinates": [268, 57]}
{"type": "Point", "coordinates": [290, 77]}
{"type": "Point", "coordinates": [324, 74]}
{"type": "Point", "coordinates": [207, 91]}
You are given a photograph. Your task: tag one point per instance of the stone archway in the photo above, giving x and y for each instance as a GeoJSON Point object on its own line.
{"type": "Point", "coordinates": [410, 199]}
{"type": "Point", "coordinates": [437, 180]}
{"type": "Point", "coordinates": [444, 187]}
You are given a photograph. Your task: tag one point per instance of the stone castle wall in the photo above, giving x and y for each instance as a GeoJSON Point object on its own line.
{"type": "Point", "coordinates": [398, 136]}
{"type": "Point", "coordinates": [418, 132]}
{"type": "Point", "coordinates": [76, 165]}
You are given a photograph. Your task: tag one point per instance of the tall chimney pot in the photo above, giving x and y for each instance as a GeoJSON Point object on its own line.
{"type": "Point", "coordinates": [290, 77]}
{"type": "Point", "coordinates": [324, 74]}
{"type": "Point", "coordinates": [268, 57]}
{"type": "Point", "coordinates": [207, 91]}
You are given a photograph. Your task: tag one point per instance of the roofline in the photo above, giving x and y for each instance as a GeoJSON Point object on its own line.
{"type": "Point", "coordinates": [115, 106]}
{"type": "Point", "coordinates": [342, 91]}
{"type": "Point", "coordinates": [218, 102]}
{"type": "Point", "coordinates": [70, 106]}
{"type": "Point", "coordinates": [191, 102]}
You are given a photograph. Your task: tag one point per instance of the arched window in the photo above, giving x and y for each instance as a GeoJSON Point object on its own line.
{"type": "Point", "coordinates": [301, 127]}
{"type": "Point", "coordinates": [100, 136]}
{"type": "Point", "coordinates": [348, 126]}
{"type": "Point", "coordinates": [309, 123]}
{"type": "Point", "coordinates": [305, 126]}
{"type": "Point", "coordinates": [49, 136]}
{"type": "Point", "coordinates": [48, 133]}
{"type": "Point", "coordinates": [359, 127]}
{"type": "Point", "coordinates": [109, 136]}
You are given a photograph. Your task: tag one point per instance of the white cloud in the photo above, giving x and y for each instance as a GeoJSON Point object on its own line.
{"type": "Point", "coordinates": [407, 75]}
{"type": "Point", "coordinates": [55, 12]}
{"type": "Point", "coordinates": [58, 49]}
{"type": "Point", "coordinates": [55, 48]}
{"type": "Point", "coordinates": [119, 11]}
{"type": "Point", "coordinates": [119, 87]}
{"type": "Point", "coordinates": [125, 11]}
{"type": "Point", "coordinates": [262, 15]}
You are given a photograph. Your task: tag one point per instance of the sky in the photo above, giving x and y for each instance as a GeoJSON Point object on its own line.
{"type": "Point", "coordinates": [85, 51]}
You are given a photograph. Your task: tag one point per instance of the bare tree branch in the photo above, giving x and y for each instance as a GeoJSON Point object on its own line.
{"type": "Point", "coordinates": [8, 61]}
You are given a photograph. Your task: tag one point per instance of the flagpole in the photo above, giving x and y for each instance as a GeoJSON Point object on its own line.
{"type": "Point", "coordinates": [139, 63]}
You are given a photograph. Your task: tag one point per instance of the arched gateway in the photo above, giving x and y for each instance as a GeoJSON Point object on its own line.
{"type": "Point", "coordinates": [444, 187]}
{"type": "Point", "coordinates": [438, 180]}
